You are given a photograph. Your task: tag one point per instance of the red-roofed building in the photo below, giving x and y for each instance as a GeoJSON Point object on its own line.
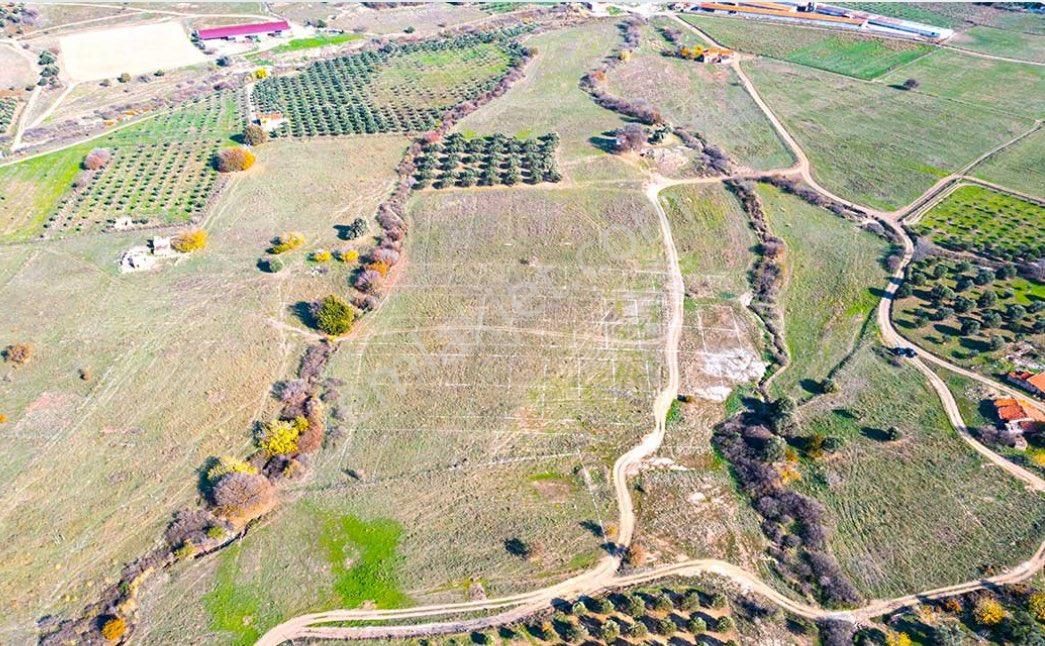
{"type": "Point", "coordinates": [232, 32]}
{"type": "Point", "coordinates": [1028, 381]}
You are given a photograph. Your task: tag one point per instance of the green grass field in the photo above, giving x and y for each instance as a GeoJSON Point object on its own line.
{"type": "Point", "coordinates": [874, 144]}
{"type": "Point", "coordinates": [832, 269]}
{"type": "Point", "coordinates": [713, 239]}
{"type": "Point", "coordinates": [916, 513]}
{"type": "Point", "coordinates": [859, 56]}
{"type": "Point", "coordinates": [299, 44]}
{"type": "Point", "coordinates": [1020, 167]}
{"type": "Point", "coordinates": [988, 85]}
{"type": "Point", "coordinates": [1002, 42]}
{"type": "Point", "coordinates": [978, 219]}
{"type": "Point", "coordinates": [549, 99]}
{"type": "Point", "coordinates": [705, 98]}
{"type": "Point", "coordinates": [168, 384]}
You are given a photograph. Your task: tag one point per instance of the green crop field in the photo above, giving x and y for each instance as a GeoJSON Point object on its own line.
{"type": "Point", "coordinates": [916, 513]}
{"type": "Point", "coordinates": [167, 385]}
{"type": "Point", "coordinates": [857, 55]}
{"type": "Point", "coordinates": [1020, 167]}
{"type": "Point", "coordinates": [989, 85]}
{"type": "Point", "coordinates": [1002, 42]}
{"type": "Point", "coordinates": [832, 270]}
{"type": "Point", "coordinates": [706, 98]}
{"type": "Point", "coordinates": [932, 13]}
{"type": "Point", "coordinates": [984, 221]}
{"type": "Point", "coordinates": [874, 144]}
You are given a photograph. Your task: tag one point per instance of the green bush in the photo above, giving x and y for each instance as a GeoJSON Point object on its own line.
{"type": "Point", "coordinates": [335, 316]}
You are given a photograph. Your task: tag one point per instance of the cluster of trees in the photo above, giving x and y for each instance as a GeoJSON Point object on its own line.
{"type": "Point", "coordinates": [635, 615]}
{"type": "Point", "coordinates": [1010, 614]}
{"type": "Point", "coordinates": [287, 241]}
{"type": "Point", "coordinates": [497, 159]}
{"type": "Point", "coordinates": [231, 160]}
{"type": "Point", "coordinates": [948, 289]}
{"type": "Point", "coordinates": [48, 62]}
{"type": "Point", "coordinates": [756, 445]}
{"type": "Point", "coordinates": [337, 97]}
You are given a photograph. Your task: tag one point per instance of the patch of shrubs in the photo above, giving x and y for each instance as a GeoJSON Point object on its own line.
{"type": "Point", "coordinates": [189, 241]}
{"type": "Point", "coordinates": [233, 160]}
{"type": "Point", "coordinates": [334, 316]}
{"type": "Point", "coordinates": [793, 522]}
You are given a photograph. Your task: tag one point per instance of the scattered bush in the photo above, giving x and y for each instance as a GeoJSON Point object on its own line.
{"type": "Point", "coordinates": [988, 611]}
{"type": "Point", "coordinates": [97, 159]}
{"type": "Point", "coordinates": [321, 256]}
{"type": "Point", "coordinates": [910, 84]}
{"type": "Point", "coordinates": [231, 160]}
{"type": "Point", "coordinates": [285, 242]}
{"type": "Point", "coordinates": [19, 353]}
{"type": "Point", "coordinates": [347, 255]}
{"type": "Point", "coordinates": [243, 496]}
{"type": "Point", "coordinates": [334, 315]}
{"type": "Point", "coordinates": [190, 241]}
{"type": "Point", "coordinates": [254, 135]}
{"type": "Point", "coordinates": [271, 265]}
{"type": "Point", "coordinates": [280, 437]}
{"type": "Point", "coordinates": [226, 465]}
{"type": "Point", "coordinates": [114, 628]}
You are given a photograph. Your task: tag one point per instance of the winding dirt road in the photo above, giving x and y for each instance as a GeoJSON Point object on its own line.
{"type": "Point", "coordinates": [604, 575]}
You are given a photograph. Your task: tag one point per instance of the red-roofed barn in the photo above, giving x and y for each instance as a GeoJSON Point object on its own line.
{"type": "Point", "coordinates": [232, 32]}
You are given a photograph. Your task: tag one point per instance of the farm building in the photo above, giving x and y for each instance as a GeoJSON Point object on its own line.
{"type": "Point", "coordinates": [1032, 383]}
{"type": "Point", "coordinates": [1017, 420]}
{"type": "Point", "coordinates": [269, 121]}
{"type": "Point", "coordinates": [237, 32]}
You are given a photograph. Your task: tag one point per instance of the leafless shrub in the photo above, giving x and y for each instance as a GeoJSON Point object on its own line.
{"type": "Point", "coordinates": [97, 159]}
{"type": "Point", "coordinates": [241, 496]}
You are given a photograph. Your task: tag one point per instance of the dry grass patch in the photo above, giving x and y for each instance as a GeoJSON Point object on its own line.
{"type": "Point", "coordinates": [77, 501]}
